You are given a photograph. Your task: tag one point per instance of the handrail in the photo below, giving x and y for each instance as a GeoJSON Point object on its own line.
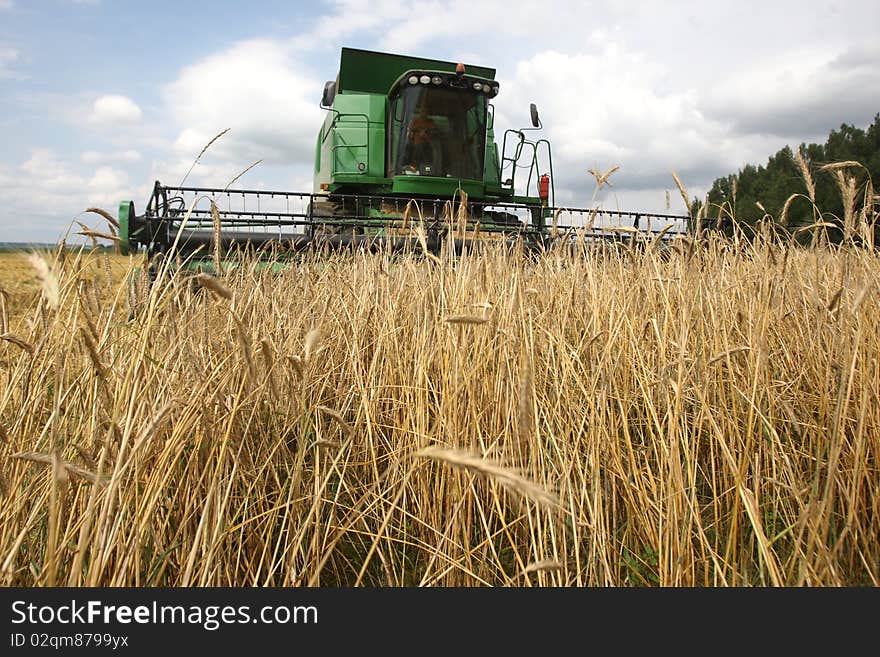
{"type": "Point", "coordinates": [534, 164]}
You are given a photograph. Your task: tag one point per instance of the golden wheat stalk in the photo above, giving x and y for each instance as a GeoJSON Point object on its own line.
{"type": "Point", "coordinates": [244, 343]}
{"type": "Point", "coordinates": [98, 235]}
{"type": "Point", "coordinates": [240, 174]}
{"type": "Point", "coordinates": [114, 224]}
{"type": "Point", "coordinates": [783, 215]}
{"type": "Point", "coordinates": [202, 152]}
{"type": "Point", "coordinates": [554, 231]}
{"type": "Point", "coordinates": [4, 311]}
{"type": "Point", "coordinates": [834, 302]}
{"type": "Point", "coordinates": [268, 353]}
{"type": "Point", "coordinates": [311, 344]}
{"type": "Point", "coordinates": [18, 342]}
{"type": "Point", "coordinates": [658, 236]}
{"type": "Point", "coordinates": [214, 285]}
{"type": "Point", "coordinates": [48, 281]}
{"type": "Point", "coordinates": [157, 421]}
{"type": "Point", "coordinates": [817, 224]}
{"type": "Point", "coordinates": [543, 565]}
{"type": "Point", "coordinates": [846, 186]}
{"type": "Point", "coordinates": [507, 477]}
{"type": "Point", "coordinates": [297, 364]}
{"type": "Point", "coordinates": [92, 349]}
{"type": "Point", "coordinates": [61, 468]}
{"type": "Point", "coordinates": [841, 165]}
{"type": "Point", "coordinates": [806, 175]}
{"type": "Point", "coordinates": [602, 179]}
{"type": "Point", "coordinates": [728, 352]}
{"type": "Point", "coordinates": [217, 237]}
{"type": "Point", "coordinates": [337, 416]}
{"type": "Point", "coordinates": [682, 190]}
{"type": "Point", "coordinates": [465, 319]}
{"type": "Point", "coordinates": [860, 296]}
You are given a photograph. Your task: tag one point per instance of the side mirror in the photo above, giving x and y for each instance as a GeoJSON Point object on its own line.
{"type": "Point", "coordinates": [533, 110]}
{"type": "Point", "coordinates": [329, 94]}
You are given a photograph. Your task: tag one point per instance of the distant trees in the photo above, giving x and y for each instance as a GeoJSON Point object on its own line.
{"type": "Point", "coordinates": [748, 197]}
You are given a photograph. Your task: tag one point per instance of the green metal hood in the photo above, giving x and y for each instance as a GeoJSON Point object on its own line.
{"type": "Point", "coordinates": [365, 71]}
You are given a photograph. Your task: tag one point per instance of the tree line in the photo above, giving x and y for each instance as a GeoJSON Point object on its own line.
{"type": "Point", "coordinates": [829, 183]}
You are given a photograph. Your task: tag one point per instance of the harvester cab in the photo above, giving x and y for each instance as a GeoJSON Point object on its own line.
{"type": "Point", "coordinates": [405, 141]}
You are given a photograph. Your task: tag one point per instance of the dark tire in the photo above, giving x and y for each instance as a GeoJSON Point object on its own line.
{"type": "Point", "coordinates": [329, 209]}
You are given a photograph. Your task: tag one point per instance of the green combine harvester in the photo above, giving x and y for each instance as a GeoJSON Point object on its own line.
{"type": "Point", "coordinates": [407, 158]}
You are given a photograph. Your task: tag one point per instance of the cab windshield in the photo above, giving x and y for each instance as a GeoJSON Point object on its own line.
{"type": "Point", "coordinates": [437, 131]}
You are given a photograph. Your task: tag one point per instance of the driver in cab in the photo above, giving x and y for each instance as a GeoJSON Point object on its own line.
{"type": "Point", "coordinates": [420, 133]}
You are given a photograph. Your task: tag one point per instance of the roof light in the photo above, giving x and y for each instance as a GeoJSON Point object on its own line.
{"type": "Point", "coordinates": [486, 88]}
{"type": "Point", "coordinates": [478, 86]}
{"type": "Point", "coordinates": [436, 79]}
{"type": "Point", "coordinates": [425, 79]}
{"type": "Point", "coordinates": [413, 79]}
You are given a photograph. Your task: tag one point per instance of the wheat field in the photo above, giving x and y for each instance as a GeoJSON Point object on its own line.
{"type": "Point", "coordinates": [707, 415]}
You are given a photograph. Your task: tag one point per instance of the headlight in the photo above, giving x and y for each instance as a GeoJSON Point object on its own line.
{"type": "Point", "coordinates": [413, 79]}
{"type": "Point", "coordinates": [425, 79]}
{"type": "Point", "coordinates": [436, 79]}
{"type": "Point", "coordinates": [478, 86]}
{"type": "Point", "coordinates": [486, 88]}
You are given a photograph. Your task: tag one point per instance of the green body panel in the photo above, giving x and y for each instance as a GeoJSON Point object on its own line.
{"type": "Point", "coordinates": [126, 211]}
{"type": "Point", "coordinates": [492, 165]}
{"type": "Point", "coordinates": [436, 187]}
{"type": "Point", "coordinates": [503, 193]}
{"type": "Point", "coordinates": [371, 72]}
{"type": "Point", "coordinates": [351, 142]}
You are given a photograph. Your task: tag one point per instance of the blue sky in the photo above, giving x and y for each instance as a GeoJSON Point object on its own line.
{"type": "Point", "coordinates": [99, 98]}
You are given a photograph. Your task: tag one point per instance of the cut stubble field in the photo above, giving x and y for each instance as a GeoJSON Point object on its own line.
{"type": "Point", "coordinates": [703, 416]}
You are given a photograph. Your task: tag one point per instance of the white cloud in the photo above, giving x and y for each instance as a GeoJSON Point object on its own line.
{"type": "Point", "coordinates": [107, 185]}
{"type": "Point", "coordinates": [350, 17]}
{"type": "Point", "coordinates": [403, 27]}
{"type": "Point", "coordinates": [424, 22]}
{"type": "Point", "coordinates": [96, 157]}
{"type": "Point", "coordinates": [8, 58]}
{"type": "Point", "coordinates": [46, 192]}
{"type": "Point", "coordinates": [801, 92]}
{"type": "Point", "coordinates": [113, 109]}
{"type": "Point", "coordinates": [47, 171]}
{"type": "Point", "coordinates": [258, 90]}
{"type": "Point", "coordinates": [610, 108]}
{"type": "Point", "coordinates": [48, 174]}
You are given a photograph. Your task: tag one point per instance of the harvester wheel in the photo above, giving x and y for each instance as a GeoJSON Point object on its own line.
{"type": "Point", "coordinates": [505, 219]}
{"type": "Point", "coordinates": [330, 210]}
